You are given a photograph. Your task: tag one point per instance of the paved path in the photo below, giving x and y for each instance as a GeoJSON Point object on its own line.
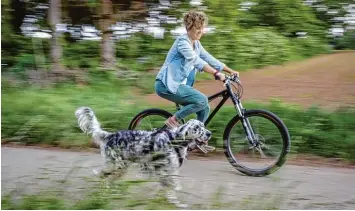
{"type": "Point", "coordinates": [292, 187]}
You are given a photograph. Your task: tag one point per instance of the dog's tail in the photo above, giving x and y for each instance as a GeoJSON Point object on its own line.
{"type": "Point", "coordinates": [89, 124]}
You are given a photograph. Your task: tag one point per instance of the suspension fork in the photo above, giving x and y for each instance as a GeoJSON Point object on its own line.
{"type": "Point", "coordinates": [245, 121]}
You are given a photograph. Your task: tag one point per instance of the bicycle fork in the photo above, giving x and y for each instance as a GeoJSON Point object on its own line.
{"type": "Point", "coordinates": [247, 126]}
{"type": "Point", "coordinates": [245, 122]}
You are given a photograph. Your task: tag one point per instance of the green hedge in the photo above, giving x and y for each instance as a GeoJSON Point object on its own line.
{"type": "Point", "coordinates": [346, 42]}
{"type": "Point", "coordinates": [239, 48]}
{"type": "Point", "coordinates": [81, 54]}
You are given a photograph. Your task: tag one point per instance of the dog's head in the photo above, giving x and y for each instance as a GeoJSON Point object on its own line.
{"type": "Point", "coordinates": [194, 130]}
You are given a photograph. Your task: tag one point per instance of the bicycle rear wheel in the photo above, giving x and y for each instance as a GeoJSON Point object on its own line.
{"type": "Point", "coordinates": [152, 119]}
{"type": "Point", "coordinates": [272, 136]}
{"type": "Point", "coordinates": [149, 119]}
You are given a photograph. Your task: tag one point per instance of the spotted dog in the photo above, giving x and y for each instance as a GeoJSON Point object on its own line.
{"type": "Point", "coordinates": [155, 150]}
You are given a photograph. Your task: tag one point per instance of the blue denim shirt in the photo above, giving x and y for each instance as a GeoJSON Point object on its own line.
{"type": "Point", "coordinates": [182, 62]}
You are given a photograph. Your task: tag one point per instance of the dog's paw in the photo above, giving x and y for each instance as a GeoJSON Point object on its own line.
{"type": "Point", "coordinates": [172, 198]}
{"type": "Point", "coordinates": [182, 206]}
{"type": "Point", "coordinates": [96, 172]}
{"type": "Point", "coordinates": [178, 187]}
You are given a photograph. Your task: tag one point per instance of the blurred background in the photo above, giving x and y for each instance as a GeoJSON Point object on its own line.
{"type": "Point", "coordinates": [135, 35]}
{"type": "Point", "coordinates": [61, 54]}
{"type": "Point", "coordinates": [57, 55]}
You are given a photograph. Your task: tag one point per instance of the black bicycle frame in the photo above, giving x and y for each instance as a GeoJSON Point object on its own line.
{"type": "Point", "coordinates": [227, 93]}
{"type": "Point", "coordinates": [225, 96]}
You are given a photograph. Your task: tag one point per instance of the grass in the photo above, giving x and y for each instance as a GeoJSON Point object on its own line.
{"type": "Point", "coordinates": [124, 194]}
{"type": "Point", "coordinates": [313, 130]}
{"type": "Point", "coordinates": [117, 197]}
{"type": "Point", "coordinates": [34, 115]}
{"type": "Point", "coordinates": [121, 196]}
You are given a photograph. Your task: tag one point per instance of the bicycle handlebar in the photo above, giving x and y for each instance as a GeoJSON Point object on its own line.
{"type": "Point", "coordinates": [234, 78]}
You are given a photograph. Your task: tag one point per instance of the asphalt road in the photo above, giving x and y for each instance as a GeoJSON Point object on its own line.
{"type": "Point", "coordinates": [25, 171]}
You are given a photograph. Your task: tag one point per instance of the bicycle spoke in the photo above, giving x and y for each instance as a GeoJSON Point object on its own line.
{"type": "Point", "coordinates": [150, 122]}
{"type": "Point", "coordinates": [269, 146]}
{"type": "Point", "coordinates": [262, 155]}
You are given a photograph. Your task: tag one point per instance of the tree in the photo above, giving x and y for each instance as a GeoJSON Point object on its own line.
{"type": "Point", "coordinates": [108, 58]}
{"type": "Point", "coordinates": [224, 13]}
{"type": "Point", "coordinates": [321, 8]}
{"type": "Point", "coordinates": [110, 12]}
{"type": "Point", "coordinates": [6, 32]}
{"type": "Point", "coordinates": [56, 48]}
{"type": "Point", "coordinates": [103, 14]}
{"type": "Point", "coordinates": [287, 16]}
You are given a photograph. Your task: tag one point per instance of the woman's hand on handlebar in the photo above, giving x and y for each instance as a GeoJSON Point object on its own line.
{"type": "Point", "coordinates": [233, 73]}
{"type": "Point", "coordinates": [230, 71]}
{"type": "Point", "coordinates": [220, 76]}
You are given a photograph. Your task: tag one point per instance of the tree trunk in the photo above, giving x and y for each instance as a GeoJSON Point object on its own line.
{"type": "Point", "coordinates": [108, 58]}
{"type": "Point", "coordinates": [56, 48]}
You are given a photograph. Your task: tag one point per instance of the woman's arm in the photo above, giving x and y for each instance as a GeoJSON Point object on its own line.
{"type": "Point", "coordinates": [230, 71]}
{"type": "Point", "coordinates": [215, 63]}
{"type": "Point", "coordinates": [207, 68]}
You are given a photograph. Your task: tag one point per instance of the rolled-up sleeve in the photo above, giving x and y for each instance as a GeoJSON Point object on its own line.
{"type": "Point", "coordinates": [190, 55]}
{"type": "Point", "coordinates": [215, 63]}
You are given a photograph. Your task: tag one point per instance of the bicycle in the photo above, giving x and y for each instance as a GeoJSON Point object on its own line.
{"type": "Point", "coordinates": [248, 131]}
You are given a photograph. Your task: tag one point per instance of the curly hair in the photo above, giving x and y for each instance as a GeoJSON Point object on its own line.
{"type": "Point", "coordinates": [196, 19]}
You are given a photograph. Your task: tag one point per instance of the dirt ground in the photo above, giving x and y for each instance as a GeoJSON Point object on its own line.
{"type": "Point", "coordinates": [327, 81]}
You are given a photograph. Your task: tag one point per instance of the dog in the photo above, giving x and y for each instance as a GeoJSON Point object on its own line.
{"type": "Point", "coordinates": [156, 150]}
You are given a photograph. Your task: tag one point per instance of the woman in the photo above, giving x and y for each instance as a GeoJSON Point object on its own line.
{"type": "Point", "coordinates": [176, 77]}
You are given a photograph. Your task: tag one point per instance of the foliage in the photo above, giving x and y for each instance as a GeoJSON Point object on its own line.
{"type": "Point", "coordinates": [96, 197]}
{"type": "Point", "coordinates": [33, 202]}
{"type": "Point", "coordinates": [309, 46]}
{"type": "Point", "coordinates": [81, 54]}
{"type": "Point", "coordinates": [312, 131]}
{"type": "Point", "coordinates": [223, 14]}
{"type": "Point", "coordinates": [242, 39]}
{"type": "Point", "coordinates": [243, 49]}
{"type": "Point", "coordinates": [20, 53]}
{"type": "Point", "coordinates": [141, 44]}
{"type": "Point", "coordinates": [287, 16]}
{"type": "Point", "coordinates": [347, 41]}
{"type": "Point", "coordinates": [321, 8]}
{"type": "Point", "coordinates": [50, 118]}
{"type": "Point", "coordinates": [263, 35]}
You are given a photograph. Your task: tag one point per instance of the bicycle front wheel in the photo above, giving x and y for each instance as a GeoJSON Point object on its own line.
{"type": "Point", "coordinates": [272, 137]}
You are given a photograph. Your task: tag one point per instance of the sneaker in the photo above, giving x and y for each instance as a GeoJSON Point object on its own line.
{"type": "Point", "coordinates": [171, 123]}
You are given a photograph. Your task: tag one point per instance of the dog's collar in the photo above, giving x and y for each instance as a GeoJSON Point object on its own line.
{"type": "Point", "coordinates": [170, 134]}
{"type": "Point", "coordinates": [171, 137]}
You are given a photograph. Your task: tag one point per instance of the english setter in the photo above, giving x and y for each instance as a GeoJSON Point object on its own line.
{"type": "Point", "coordinates": [155, 150]}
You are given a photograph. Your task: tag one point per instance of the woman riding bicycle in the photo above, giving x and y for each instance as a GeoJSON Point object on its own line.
{"type": "Point", "coordinates": [176, 77]}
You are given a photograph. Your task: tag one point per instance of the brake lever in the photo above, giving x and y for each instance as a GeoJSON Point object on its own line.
{"type": "Point", "coordinates": [225, 82]}
{"type": "Point", "coordinates": [236, 79]}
